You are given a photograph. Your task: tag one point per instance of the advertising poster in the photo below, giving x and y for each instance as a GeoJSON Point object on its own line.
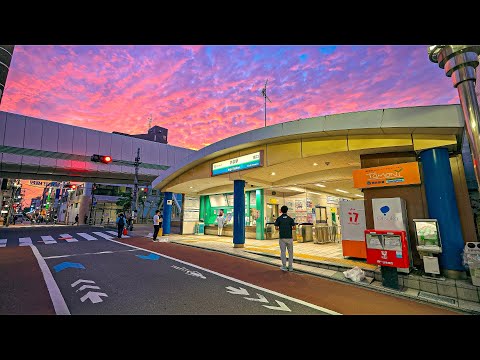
{"type": "Point", "coordinates": [352, 218]}
{"type": "Point", "coordinates": [299, 205]}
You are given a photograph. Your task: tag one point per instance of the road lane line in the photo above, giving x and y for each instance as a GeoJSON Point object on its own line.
{"type": "Point", "coordinates": [298, 301]}
{"type": "Point", "coordinates": [68, 238]}
{"type": "Point", "coordinates": [58, 301]}
{"type": "Point", "coordinates": [48, 240]}
{"type": "Point", "coordinates": [26, 241]}
{"type": "Point", "coordinates": [116, 233]}
{"type": "Point", "coordinates": [87, 236]}
{"type": "Point", "coordinates": [3, 242]}
{"type": "Point", "coordinates": [105, 236]}
{"type": "Point", "coordinates": [95, 253]}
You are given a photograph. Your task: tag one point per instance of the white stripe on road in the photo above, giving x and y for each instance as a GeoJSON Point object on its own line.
{"type": "Point", "coordinates": [68, 238]}
{"type": "Point", "coordinates": [3, 242]}
{"type": "Point", "coordinates": [86, 236]}
{"type": "Point", "coordinates": [26, 241]}
{"type": "Point", "coordinates": [48, 239]}
{"type": "Point", "coordinates": [57, 299]}
{"type": "Point", "coordinates": [298, 301]}
{"type": "Point", "coordinates": [105, 236]}
{"type": "Point", "coordinates": [116, 233]}
{"type": "Point", "coordinates": [95, 253]}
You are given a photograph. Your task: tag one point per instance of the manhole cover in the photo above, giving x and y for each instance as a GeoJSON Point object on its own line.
{"type": "Point", "coordinates": [444, 299]}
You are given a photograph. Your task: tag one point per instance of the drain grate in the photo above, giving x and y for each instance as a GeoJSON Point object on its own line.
{"type": "Point", "coordinates": [440, 298]}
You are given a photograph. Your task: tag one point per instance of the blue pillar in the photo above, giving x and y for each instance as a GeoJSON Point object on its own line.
{"type": "Point", "coordinates": [238, 213]}
{"type": "Point", "coordinates": [442, 205]}
{"type": "Point", "coordinates": [167, 212]}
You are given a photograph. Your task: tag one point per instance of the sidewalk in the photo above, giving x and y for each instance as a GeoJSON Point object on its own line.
{"type": "Point", "coordinates": [326, 260]}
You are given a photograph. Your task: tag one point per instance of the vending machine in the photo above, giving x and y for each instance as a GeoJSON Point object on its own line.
{"type": "Point", "coordinates": [391, 214]}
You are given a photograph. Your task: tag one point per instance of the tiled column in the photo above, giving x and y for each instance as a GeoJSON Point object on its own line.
{"type": "Point", "coordinates": [167, 212]}
{"type": "Point", "coordinates": [260, 235]}
{"type": "Point", "coordinates": [238, 213]}
{"type": "Point", "coordinates": [442, 205]}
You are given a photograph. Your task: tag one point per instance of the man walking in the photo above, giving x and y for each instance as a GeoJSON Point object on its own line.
{"type": "Point", "coordinates": [286, 224]}
{"type": "Point", "coordinates": [120, 224]}
{"type": "Point", "coordinates": [156, 224]}
{"type": "Point", "coordinates": [76, 220]}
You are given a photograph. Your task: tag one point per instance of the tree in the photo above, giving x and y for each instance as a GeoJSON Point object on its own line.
{"type": "Point", "coordinates": [125, 201]}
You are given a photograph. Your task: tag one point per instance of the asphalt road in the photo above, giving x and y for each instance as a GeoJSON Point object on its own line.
{"type": "Point", "coordinates": [107, 277]}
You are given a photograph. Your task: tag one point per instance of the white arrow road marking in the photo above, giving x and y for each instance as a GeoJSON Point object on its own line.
{"type": "Point", "coordinates": [88, 287]}
{"type": "Point", "coordinates": [48, 240]}
{"type": "Point", "coordinates": [81, 280]}
{"type": "Point", "coordinates": [282, 307]}
{"type": "Point", "coordinates": [235, 291]}
{"type": "Point", "coordinates": [87, 236]}
{"type": "Point", "coordinates": [116, 233]}
{"type": "Point", "coordinates": [261, 298]}
{"type": "Point", "coordinates": [3, 242]}
{"type": "Point", "coordinates": [105, 236]}
{"type": "Point", "coordinates": [67, 238]}
{"type": "Point", "coordinates": [25, 241]}
{"type": "Point", "coordinates": [94, 296]}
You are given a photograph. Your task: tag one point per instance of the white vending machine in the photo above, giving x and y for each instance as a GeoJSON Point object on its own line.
{"type": "Point", "coordinates": [391, 214]}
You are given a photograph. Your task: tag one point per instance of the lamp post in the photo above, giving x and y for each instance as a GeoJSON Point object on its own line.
{"type": "Point", "coordinates": [459, 62]}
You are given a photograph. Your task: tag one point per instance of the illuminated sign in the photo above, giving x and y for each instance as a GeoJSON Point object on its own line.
{"type": "Point", "coordinates": [239, 163]}
{"type": "Point", "coordinates": [390, 175]}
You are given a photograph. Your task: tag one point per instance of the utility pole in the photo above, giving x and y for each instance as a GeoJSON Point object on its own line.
{"type": "Point", "coordinates": [135, 187]}
{"type": "Point", "coordinates": [94, 186]}
{"type": "Point", "coordinates": [264, 94]}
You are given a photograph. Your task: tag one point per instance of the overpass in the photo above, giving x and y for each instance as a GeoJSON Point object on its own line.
{"type": "Point", "coordinates": [32, 148]}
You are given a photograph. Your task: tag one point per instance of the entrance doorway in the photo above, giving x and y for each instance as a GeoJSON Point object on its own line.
{"type": "Point", "coordinates": [272, 212]}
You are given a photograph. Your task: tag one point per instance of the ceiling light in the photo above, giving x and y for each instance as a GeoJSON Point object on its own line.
{"type": "Point", "coordinates": [315, 164]}
{"type": "Point", "coordinates": [342, 191]}
{"type": "Point", "coordinates": [272, 173]}
{"type": "Point", "coordinates": [359, 195]}
{"type": "Point", "coordinates": [313, 192]}
{"type": "Point", "coordinates": [320, 185]}
{"type": "Point", "coordinates": [191, 187]}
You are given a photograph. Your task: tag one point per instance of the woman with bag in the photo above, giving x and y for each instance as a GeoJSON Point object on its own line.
{"type": "Point", "coordinates": [120, 224]}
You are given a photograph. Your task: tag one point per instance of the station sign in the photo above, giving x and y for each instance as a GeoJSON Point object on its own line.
{"type": "Point", "coordinates": [390, 175]}
{"type": "Point", "coordinates": [244, 162]}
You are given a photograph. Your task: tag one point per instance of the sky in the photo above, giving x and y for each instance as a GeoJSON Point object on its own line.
{"type": "Point", "coordinates": [203, 94]}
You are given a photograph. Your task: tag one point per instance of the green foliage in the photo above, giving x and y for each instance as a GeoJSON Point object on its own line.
{"type": "Point", "coordinates": [124, 200]}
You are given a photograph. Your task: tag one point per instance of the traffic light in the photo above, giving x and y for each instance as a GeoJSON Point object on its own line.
{"type": "Point", "coordinates": [70, 186]}
{"type": "Point", "coordinates": [106, 159]}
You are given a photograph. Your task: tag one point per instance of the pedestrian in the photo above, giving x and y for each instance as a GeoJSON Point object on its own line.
{"type": "Point", "coordinates": [120, 224]}
{"type": "Point", "coordinates": [76, 220]}
{"type": "Point", "coordinates": [156, 224]}
{"type": "Point", "coordinates": [286, 224]}
{"type": "Point", "coordinates": [220, 222]}
{"type": "Point", "coordinates": [85, 219]}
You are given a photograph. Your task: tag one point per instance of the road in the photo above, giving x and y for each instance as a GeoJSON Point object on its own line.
{"type": "Point", "coordinates": [87, 270]}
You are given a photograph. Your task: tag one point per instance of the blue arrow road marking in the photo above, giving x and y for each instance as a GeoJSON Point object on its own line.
{"type": "Point", "coordinates": [149, 257]}
{"type": "Point", "coordinates": [66, 264]}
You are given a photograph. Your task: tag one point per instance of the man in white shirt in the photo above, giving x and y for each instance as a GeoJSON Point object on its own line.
{"type": "Point", "coordinates": [156, 224]}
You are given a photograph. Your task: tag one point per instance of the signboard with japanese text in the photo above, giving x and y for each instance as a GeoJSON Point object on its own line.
{"type": "Point", "coordinates": [390, 175]}
{"type": "Point", "coordinates": [387, 248]}
{"type": "Point", "coordinates": [239, 163]}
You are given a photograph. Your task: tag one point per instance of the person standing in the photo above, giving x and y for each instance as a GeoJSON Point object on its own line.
{"type": "Point", "coordinates": [120, 224]}
{"type": "Point", "coordinates": [85, 219]}
{"type": "Point", "coordinates": [220, 222]}
{"type": "Point", "coordinates": [156, 224]}
{"type": "Point", "coordinates": [285, 224]}
{"type": "Point", "coordinates": [76, 220]}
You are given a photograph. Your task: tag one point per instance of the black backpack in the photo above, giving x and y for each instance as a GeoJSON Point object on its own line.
{"type": "Point", "coordinates": [121, 221]}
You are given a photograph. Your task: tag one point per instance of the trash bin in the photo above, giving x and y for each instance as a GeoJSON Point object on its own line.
{"type": "Point", "coordinates": [471, 258]}
{"type": "Point", "coordinates": [307, 231]}
{"type": "Point", "coordinates": [269, 231]}
{"type": "Point", "coordinates": [200, 228]}
{"type": "Point", "coordinates": [322, 233]}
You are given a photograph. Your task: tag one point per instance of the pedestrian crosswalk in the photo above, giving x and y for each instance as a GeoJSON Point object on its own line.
{"type": "Point", "coordinates": [61, 238]}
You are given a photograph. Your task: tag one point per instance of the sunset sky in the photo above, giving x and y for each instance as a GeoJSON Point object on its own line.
{"type": "Point", "coordinates": [203, 94]}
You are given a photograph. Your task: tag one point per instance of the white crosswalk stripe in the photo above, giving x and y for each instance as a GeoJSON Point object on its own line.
{"type": "Point", "coordinates": [48, 240]}
{"type": "Point", "coordinates": [68, 238]}
{"type": "Point", "coordinates": [86, 236]}
{"type": "Point", "coordinates": [3, 242]}
{"type": "Point", "coordinates": [25, 241]}
{"type": "Point", "coordinates": [116, 233]}
{"type": "Point", "coordinates": [105, 236]}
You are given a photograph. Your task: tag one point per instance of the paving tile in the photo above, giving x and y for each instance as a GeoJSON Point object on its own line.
{"type": "Point", "coordinates": [411, 292]}
{"type": "Point", "coordinates": [326, 272]}
{"type": "Point", "coordinates": [465, 284]}
{"type": "Point", "coordinates": [430, 287]}
{"type": "Point", "coordinates": [467, 294]}
{"type": "Point", "coordinates": [447, 290]}
{"type": "Point", "coordinates": [412, 283]}
{"type": "Point", "coordinates": [468, 305]}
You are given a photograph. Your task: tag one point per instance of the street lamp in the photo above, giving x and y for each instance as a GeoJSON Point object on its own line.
{"type": "Point", "coordinates": [459, 62]}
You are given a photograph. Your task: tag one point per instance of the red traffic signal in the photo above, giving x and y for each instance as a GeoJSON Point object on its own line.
{"type": "Point", "coordinates": [101, 158]}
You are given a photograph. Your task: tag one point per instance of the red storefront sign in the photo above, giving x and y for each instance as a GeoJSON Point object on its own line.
{"type": "Point", "coordinates": [387, 248]}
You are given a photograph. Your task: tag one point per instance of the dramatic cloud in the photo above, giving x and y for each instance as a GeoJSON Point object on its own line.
{"type": "Point", "coordinates": [203, 94]}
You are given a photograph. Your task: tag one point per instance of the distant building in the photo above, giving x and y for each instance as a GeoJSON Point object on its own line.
{"type": "Point", "coordinates": [155, 133]}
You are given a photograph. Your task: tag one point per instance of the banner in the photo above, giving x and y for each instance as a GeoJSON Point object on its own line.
{"type": "Point", "coordinates": [390, 175]}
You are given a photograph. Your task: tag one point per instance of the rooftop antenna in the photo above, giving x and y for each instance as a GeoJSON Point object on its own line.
{"type": "Point", "coordinates": [264, 94]}
{"type": "Point", "coordinates": [149, 122]}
